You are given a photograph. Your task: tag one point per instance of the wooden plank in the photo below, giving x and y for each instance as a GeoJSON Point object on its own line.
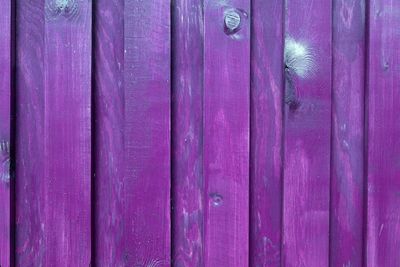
{"type": "Point", "coordinates": [108, 152]}
{"type": "Point", "coordinates": [266, 133]}
{"type": "Point", "coordinates": [346, 225]}
{"type": "Point", "coordinates": [67, 133]}
{"type": "Point", "coordinates": [187, 130]}
{"type": "Point", "coordinates": [146, 185]}
{"type": "Point", "coordinates": [383, 230]}
{"type": "Point", "coordinates": [29, 133]}
{"type": "Point", "coordinates": [226, 132]}
{"type": "Point", "coordinates": [5, 132]}
{"type": "Point", "coordinates": [307, 133]}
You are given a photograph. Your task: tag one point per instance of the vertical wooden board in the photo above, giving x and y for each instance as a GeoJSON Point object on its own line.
{"type": "Point", "coordinates": [5, 123]}
{"type": "Point", "coordinates": [307, 133]}
{"type": "Point", "coordinates": [108, 151]}
{"type": "Point", "coordinates": [226, 132]}
{"type": "Point", "coordinates": [346, 228]}
{"type": "Point", "coordinates": [29, 133]}
{"type": "Point", "coordinates": [267, 85]}
{"type": "Point", "coordinates": [187, 130]}
{"type": "Point", "coordinates": [146, 185]}
{"type": "Point", "coordinates": [67, 133]}
{"type": "Point", "coordinates": [383, 230]}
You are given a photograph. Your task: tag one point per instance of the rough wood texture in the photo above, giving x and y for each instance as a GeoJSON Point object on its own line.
{"type": "Point", "coordinates": [187, 133]}
{"type": "Point", "coordinates": [146, 184]}
{"type": "Point", "coordinates": [226, 134]}
{"type": "Point", "coordinates": [307, 138]}
{"type": "Point", "coordinates": [383, 230]}
{"type": "Point", "coordinates": [5, 123]}
{"type": "Point", "coordinates": [347, 184]}
{"type": "Point", "coordinates": [266, 133]}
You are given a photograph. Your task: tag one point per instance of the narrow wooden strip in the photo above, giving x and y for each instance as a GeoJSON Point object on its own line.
{"type": "Point", "coordinates": [307, 133]}
{"type": "Point", "coordinates": [267, 87]}
{"type": "Point", "coordinates": [226, 132]}
{"type": "Point", "coordinates": [146, 184]}
{"type": "Point", "coordinates": [108, 152]}
{"type": "Point", "coordinates": [67, 133]}
{"type": "Point", "coordinates": [348, 134]}
{"type": "Point", "coordinates": [187, 130]}
{"type": "Point", "coordinates": [383, 230]}
{"type": "Point", "coordinates": [5, 117]}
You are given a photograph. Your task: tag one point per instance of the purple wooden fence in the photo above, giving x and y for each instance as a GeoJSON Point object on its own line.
{"type": "Point", "coordinates": [200, 133]}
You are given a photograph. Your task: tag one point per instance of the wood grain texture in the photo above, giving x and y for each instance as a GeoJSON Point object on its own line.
{"type": "Point", "coordinates": [109, 136]}
{"type": "Point", "coordinates": [267, 86]}
{"type": "Point", "coordinates": [29, 185]}
{"type": "Point", "coordinates": [347, 180]}
{"type": "Point", "coordinates": [187, 134]}
{"type": "Point", "coordinates": [67, 133]}
{"type": "Point", "coordinates": [307, 140]}
{"type": "Point", "coordinates": [226, 134]}
{"type": "Point", "coordinates": [146, 185]}
{"type": "Point", "coordinates": [383, 230]}
{"type": "Point", "coordinates": [5, 133]}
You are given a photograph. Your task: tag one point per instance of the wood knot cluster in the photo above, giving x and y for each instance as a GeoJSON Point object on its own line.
{"type": "Point", "coordinates": [62, 8]}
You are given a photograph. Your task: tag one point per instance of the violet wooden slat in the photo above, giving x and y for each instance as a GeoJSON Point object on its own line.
{"type": "Point", "coordinates": [67, 133]}
{"type": "Point", "coordinates": [29, 137]}
{"type": "Point", "coordinates": [108, 152]}
{"type": "Point", "coordinates": [146, 184]}
{"type": "Point", "coordinates": [187, 130]}
{"type": "Point", "coordinates": [266, 133]}
{"type": "Point", "coordinates": [5, 100]}
{"type": "Point", "coordinates": [383, 219]}
{"type": "Point", "coordinates": [346, 225]}
{"type": "Point", "coordinates": [226, 132]}
{"type": "Point", "coordinates": [307, 135]}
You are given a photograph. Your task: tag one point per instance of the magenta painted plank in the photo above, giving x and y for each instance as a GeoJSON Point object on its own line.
{"type": "Point", "coordinates": [267, 85]}
{"type": "Point", "coordinates": [5, 124]}
{"type": "Point", "coordinates": [66, 183]}
{"type": "Point", "coordinates": [307, 133]}
{"type": "Point", "coordinates": [383, 149]}
{"type": "Point", "coordinates": [347, 171]}
{"type": "Point", "coordinates": [108, 154]}
{"type": "Point", "coordinates": [226, 132]}
{"type": "Point", "coordinates": [187, 129]}
{"type": "Point", "coordinates": [146, 184]}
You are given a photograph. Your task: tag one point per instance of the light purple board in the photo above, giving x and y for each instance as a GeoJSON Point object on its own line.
{"type": "Point", "coordinates": [108, 153]}
{"type": "Point", "coordinates": [383, 219]}
{"type": "Point", "coordinates": [5, 124]}
{"type": "Point", "coordinates": [346, 225]}
{"type": "Point", "coordinates": [29, 136]}
{"type": "Point", "coordinates": [187, 134]}
{"type": "Point", "coordinates": [66, 183]}
{"type": "Point", "coordinates": [266, 133]}
{"type": "Point", "coordinates": [146, 184]}
{"type": "Point", "coordinates": [226, 133]}
{"type": "Point", "coordinates": [307, 140]}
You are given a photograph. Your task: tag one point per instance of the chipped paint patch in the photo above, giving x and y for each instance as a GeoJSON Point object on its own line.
{"type": "Point", "coordinates": [299, 58]}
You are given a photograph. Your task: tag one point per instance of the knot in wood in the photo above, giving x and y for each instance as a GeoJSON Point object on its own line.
{"type": "Point", "coordinates": [64, 8]}
{"type": "Point", "coordinates": [232, 20]}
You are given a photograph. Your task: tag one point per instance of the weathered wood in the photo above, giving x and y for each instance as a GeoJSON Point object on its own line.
{"type": "Point", "coordinates": [267, 86]}
{"type": "Point", "coordinates": [226, 134]}
{"type": "Point", "coordinates": [5, 133]}
{"type": "Point", "coordinates": [307, 133]}
{"type": "Point", "coordinates": [383, 230]}
{"type": "Point", "coordinates": [346, 225]}
{"type": "Point", "coordinates": [187, 133]}
{"type": "Point", "coordinates": [146, 184]}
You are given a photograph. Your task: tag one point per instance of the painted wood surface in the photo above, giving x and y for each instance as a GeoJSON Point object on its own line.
{"type": "Point", "coordinates": [307, 134]}
{"type": "Point", "coordinates": [187, 134]}
{"type": "Point", "coordinates": [266, 133]}
{"type": "Point", "coordinates": [383, 216]}
{"type": "Point", "coordinates": [226, 131]}
{"type": "Point", "coordinates": [347, 180]}
{"type": "Point", "coordinates": [5, 131]}
{"type": "Point", "coordinates": [146, 185]}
